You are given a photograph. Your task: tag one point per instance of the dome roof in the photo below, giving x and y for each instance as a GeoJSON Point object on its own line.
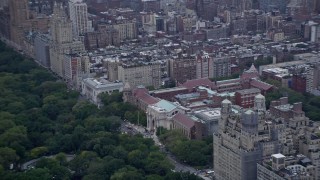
{"type": "Point", "coordinates": [226, 101]}
{"type": "Point", "coordinates": [259, 96]}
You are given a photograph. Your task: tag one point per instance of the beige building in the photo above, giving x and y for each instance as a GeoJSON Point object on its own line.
{"type": "Point", "coordinates": [112, 68]}
{"type": "Point", "coordinates": [136, 75]}
{"type": "Point", "coordinates": [247, 139]}
{"type": "Point", "coordinates": [204, 66]}
{"type": "Point", "coordinates": [62, 41]}
{"type": "Point", "coordinates": [19, 21]}
{"type": "Point", "coordinates": [127, 29]}
{"type": "Point", "coordinates": [58, 52]}
{"type": "Point", "coordinates": [76, 68]}
{"type": "Point", "coordinates": [280, 167]}
{"type": "Point", "coordinates": [188, 22]}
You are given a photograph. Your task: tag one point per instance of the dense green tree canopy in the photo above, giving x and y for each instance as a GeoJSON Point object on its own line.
{"type": "Point", "coordinates": [66, 137]}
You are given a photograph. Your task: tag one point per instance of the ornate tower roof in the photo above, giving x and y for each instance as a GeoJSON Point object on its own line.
{"type": "Point", "coordinates": [252, 69]}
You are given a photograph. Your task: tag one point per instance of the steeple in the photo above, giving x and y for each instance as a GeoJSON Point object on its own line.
{"type": "Point", "coordinates": [252, 69]}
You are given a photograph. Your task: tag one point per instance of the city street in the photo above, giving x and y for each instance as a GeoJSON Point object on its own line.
{"type": "Point", "coordinates": [131, 129]}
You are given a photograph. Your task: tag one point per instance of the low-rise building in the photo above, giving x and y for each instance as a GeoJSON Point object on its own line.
{"type": "Point", "coordinates": [160, 114]}
{"type": "Point", "coordinates": [280, 167]}
{"type": "Point", "coordinates": [245, 97]}
{"type": "Point", "coordinates": [187, 126]}
{"type": "Point", "coordinates": [91, 88]}
{"type": "Point", "coordinates": [210, 118]}
{"type": "Point", "coordinates": [138, 96]}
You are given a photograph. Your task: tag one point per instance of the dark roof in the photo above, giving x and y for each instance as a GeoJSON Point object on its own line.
{"type": "Point", "coordinates": [190, 84]}
{"type": "Point", "coordinates": [249, 75]}
{"type": "Point", "coordinates": [260, 85]}
{"type": "Point", "coordinates": [143, 95]}
{"type": "Point", "coordinates": [184, 120]}
{"type": "Point", "coordinates": [248, 91]}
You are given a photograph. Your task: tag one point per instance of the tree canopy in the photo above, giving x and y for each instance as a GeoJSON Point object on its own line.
{"type": "Point", "coordinates": [68, 138]}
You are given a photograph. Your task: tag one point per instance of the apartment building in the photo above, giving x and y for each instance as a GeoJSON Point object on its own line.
{"type": "Point", "coordinates": [78, 12]}
{"type": "Point", "coordinates": [221, 67]}
{"type": "Point", "coordinates": [147, 74]}
{"type": "Point", "coordinates": [182, 68]}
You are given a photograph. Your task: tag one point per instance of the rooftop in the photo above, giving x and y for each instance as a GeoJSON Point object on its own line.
{"type": "Point", "coordinates": [248, 91]}
{"type": "Point", "coordinates": [166, 105]}
{"type": "Point", "coordinates": [278, 155]}
{"type": "Point", "coordinates": [101, 83]}
{"type": "Point", "coordinates": [184, 120]}
{"type": "Point", "coordinates": [167, 90]}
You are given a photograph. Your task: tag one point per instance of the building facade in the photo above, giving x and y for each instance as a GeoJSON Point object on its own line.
{"type": "Point", "coordinates": [182, 69]}
{"type": "Point", "coordinates": [136, 75]}
{"type": "Point", "coordinates": [160, 115]}
{"type": "Point", "coordinates": [78, 12]}
{"type": "Point", "coordinates": [62, 42]}
{"type": "Point", "coordinates": [91, 88]}
{"type": "Point", "coordinates": [42, 50]}
{"type": "Point", "coordinates": [221, 67]}
{"type": "Point", "coordinates": [76, 68]}
{"type": "Point", "coordinates": [245, 97]}
{"type": "Point", "coordinates": [204, 66]}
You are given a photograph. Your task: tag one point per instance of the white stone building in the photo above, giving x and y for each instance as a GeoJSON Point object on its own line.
{"type": "Point", "coordinates": [91, 88]}
{"type": "Point", "coordinates": [160, 114]}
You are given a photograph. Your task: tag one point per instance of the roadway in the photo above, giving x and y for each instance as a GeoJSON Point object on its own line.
{"type": "Point", "coordinates": [132, 129]}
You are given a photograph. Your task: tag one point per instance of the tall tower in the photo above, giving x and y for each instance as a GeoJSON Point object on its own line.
{"type": "Point", "coordinates": [78, 11]}
{"type": "Point", "coordinates": [19, 16]}
{"type": "Point", "coordinates": [61, 28]}
{"type": "Point", "coordinates": [19, 11]}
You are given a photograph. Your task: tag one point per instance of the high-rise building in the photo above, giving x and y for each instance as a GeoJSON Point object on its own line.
{"type": "Point", "coordinates": [313, 79]}
{"type": "Point", "coordinates": [242, 141]}
{"type": "Point", "coordinates": [76, 68]}
{"type": "Point", "coordinates": [19, 16]}
{"type": "Point", "coordinates": [221, 67]}
{"type": "Point", "coordinates": [204, 66]}
{"type": "Point", "coordinates": [62, 41]}
{"type": "Point", "coordinates": [4, 21]}
{"type": "Point", "coordinates": [127, 29]}
{"type": "Point", "coordinates": [78, 12]}
{"type": "Point", "coordinates": [248, 137]}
